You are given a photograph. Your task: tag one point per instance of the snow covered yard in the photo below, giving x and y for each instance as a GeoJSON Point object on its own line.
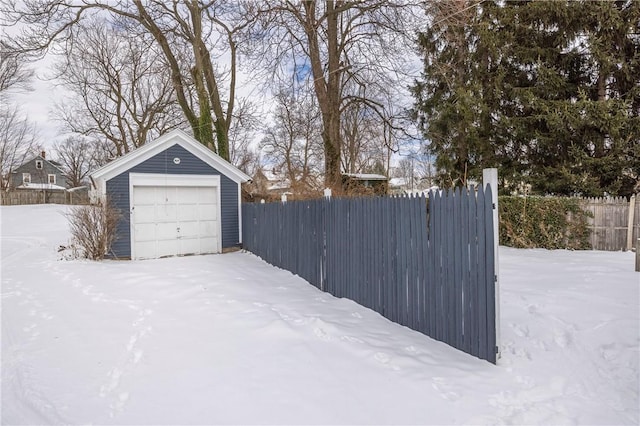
{"type": "Point", "coordinates": [230, 339]}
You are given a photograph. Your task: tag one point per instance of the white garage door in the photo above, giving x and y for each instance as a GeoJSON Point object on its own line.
{"type": "Point", "coordinates": [174, 221]}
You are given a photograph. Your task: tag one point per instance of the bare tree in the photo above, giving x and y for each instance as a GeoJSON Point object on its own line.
{"type": "Point", "coordinates": [18, 139]}
{"type": "Point", "coordinates": [14, 73]}
{"type": "Point", "coordinates": [18, 135]}
{"type": "Point", "coordinates": [78, 157]}
{"type": "Point", "coordinates": [194, 36]}
{"type": "Point", "coordinates": [118, 89]}
{"type": "Point", "coordinates": [245, 129]}
{"type": "Point", "coordinates": [292, 143]}
{"type": "Point", "coordinates": [353, 52]}
{"type": "Point", "coordinates": [363, 140]}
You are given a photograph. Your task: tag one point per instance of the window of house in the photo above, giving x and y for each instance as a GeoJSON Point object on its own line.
{"type": "Point", "coordinates": [26, 178]}
{"type": "Point", "coordinates": [38, 164]}
{"type": "Point", "coordinates": [52, 179]}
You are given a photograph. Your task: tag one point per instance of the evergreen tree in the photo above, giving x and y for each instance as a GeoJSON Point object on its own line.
{"type": "Point", "coordinates": [548, 91]}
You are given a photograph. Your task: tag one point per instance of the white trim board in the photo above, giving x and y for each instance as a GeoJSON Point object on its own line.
{"type": "Point", "coordinates": [164, 142]}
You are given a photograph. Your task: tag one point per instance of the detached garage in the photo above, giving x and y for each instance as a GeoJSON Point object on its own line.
{"type": "Point", "coordinates": [176, 197]}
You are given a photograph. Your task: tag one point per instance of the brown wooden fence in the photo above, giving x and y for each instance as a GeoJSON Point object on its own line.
{"type": "Point", "coordinates": [615, 224]}
{"type": "Point", "coordinates": [16, 198]}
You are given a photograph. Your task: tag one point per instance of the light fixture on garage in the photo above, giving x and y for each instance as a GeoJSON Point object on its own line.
{"type": "Point", "coordinates": [176, 160]}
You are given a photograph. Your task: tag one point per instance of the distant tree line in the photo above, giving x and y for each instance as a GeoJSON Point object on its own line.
{"type": "Point", "coordinates": [138, 69]}
{"type": "Point", "coordinates": [547, 91]}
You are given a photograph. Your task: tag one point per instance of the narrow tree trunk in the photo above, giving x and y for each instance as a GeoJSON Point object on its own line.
{"type": "Point", "coordinates": [332, 134]}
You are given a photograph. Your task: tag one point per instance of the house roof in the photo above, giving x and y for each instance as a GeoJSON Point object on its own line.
{"type": "Point", "coordinates": [40, 157]}
{"type": "Point", "coordinates": [365, 176]}
{"type": "Point", "coordinates": [165, 141]}
{"type": "Point", "coordinates": [41, 186]}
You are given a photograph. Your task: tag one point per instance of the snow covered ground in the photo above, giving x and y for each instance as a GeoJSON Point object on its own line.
{"type": "Point", "coordinates": [230, 339]}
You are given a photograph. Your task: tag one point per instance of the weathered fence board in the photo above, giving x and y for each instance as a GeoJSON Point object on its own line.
{"type": "Point", "coordinates": [423, 263]}
{"type": "Point", "coordinates": [23, 197]}
{"type": "Point", "coordinates": [610, 223]}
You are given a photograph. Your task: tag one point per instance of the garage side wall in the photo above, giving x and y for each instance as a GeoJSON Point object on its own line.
{"type": "Point", "coordinates": [118, 193]}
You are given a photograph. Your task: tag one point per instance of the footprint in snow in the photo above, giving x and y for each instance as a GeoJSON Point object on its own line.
{"type": "Point", "coordinates": [382, 357]}
{"type": "Point", "coordinates": [113, 381]}
{"type": "Point", "coordinates": [563, 338]}
{"type": "Point", "coordinates": [385, 360]}
{"type": "Point", "coordinates": [443, 386]}
{"type": "Point", "coordinates": [351, 339]}
{"type": "Point", "coordinates": [321, 334]}
{"type": "Point", "coordinates": [522, 331]}
{"type": "Point", "coordinates": [29, 328]}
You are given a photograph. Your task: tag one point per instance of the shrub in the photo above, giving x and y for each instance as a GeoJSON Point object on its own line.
{"type": "Point", "coordinates": [93, 230]}
{"type": "Point", "coordinates": [543, 222]}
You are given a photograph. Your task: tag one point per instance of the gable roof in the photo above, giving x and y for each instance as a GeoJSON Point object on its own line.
{"type": "Point", "coordinates": [175, 137]}
{"type": "Point", "coordinates": [55, 164]}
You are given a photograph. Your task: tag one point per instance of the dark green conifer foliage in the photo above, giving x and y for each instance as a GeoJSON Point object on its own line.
{"type": "Point", "coordinates": [547, 91]}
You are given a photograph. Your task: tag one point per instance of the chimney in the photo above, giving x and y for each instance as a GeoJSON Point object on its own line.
{"type": "Point", "coordinates": [43, 154]}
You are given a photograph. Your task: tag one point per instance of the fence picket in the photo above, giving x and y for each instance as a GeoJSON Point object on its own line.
{"type": "Point", "coordinates": [421, 263]}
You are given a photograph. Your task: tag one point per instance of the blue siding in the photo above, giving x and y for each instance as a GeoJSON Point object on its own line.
{"type": "Point", "coordinates": [118, 193]}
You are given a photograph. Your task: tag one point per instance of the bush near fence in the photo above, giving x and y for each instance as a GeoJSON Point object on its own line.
{"type": "Point", "coordinates": [569, 223]}
{"type": "Point", "coordinates": [543, 222]}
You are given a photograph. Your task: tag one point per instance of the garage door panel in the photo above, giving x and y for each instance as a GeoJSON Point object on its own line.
{"type": "Point", "coordinates": [144, 195]}
{"type": "Point", "coordinates": [146, 249]}
{"type": "Point", "coordinates": [208, 228]}
{"type": "Point", "coordinates": [166, 213]}
{"type": "Point", "coordinates": [193, 195]}
{"type": "Point", "coordinates": [208, 245]}
{"type": "Point", "coordinates": [145, 231]}
{"type": "Point", "coordinates": [189, 229]}
{"type": "Point", "coordinates": [145, 213]}
{"type": "Point", "coordinates": [171, 221]}
{"type": "Point", "coordinates": [209, 211]}
{"type": "Point", "coordinates": [190, 246]}
{"type": "Point", "coordinates": [166, 248]}
{"type": "Point", "coordinates": [187, 212]}
{"type": "Point", "coordinates": [166, 231]}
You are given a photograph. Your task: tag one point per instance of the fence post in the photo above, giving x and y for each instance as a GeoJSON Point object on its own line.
{"type": "Point", "coordinates": [490, 177]}
{"type": "Point", "coordinates": [327, 193]}
{"type": "Point", "coordinates": [632, 210]}
{"type": "Point", "coordinates": [283, 198]}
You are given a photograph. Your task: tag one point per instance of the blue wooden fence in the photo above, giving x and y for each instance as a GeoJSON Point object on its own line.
{"type": "Point", "coordinates": [426, 263]}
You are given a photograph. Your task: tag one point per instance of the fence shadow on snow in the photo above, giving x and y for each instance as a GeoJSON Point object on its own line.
{"type": "Point", "coordinates": [426, 263]}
